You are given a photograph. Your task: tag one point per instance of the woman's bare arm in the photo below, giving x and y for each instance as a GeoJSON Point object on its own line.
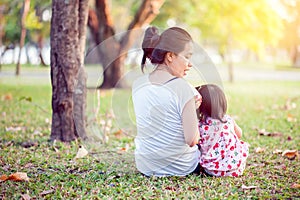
{"type": "Point", "coordinates": [190, 123]}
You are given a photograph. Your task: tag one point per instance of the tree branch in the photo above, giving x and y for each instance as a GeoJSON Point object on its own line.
{"type": "Point", "coordinates": [148, 10]}
{"type": "Point", "coordinates": [105, 20]}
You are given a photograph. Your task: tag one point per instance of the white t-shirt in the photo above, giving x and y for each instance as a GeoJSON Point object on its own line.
{"type": "Point", "coordinates": [161, 149]}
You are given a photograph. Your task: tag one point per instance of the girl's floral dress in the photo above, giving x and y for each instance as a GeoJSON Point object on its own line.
{"type": "Point", "coordinates": [222, 153]}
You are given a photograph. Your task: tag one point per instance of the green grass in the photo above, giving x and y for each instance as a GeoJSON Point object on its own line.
{"type": "Point", "coordinates": [109, 173]}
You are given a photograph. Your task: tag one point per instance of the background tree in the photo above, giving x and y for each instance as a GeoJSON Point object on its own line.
{"type": "Point", "coordinates": [25, 11]}
{"type": "Point", "coordinates": [68, 33]}
{"type": "Point", "coordinates": [35, 27]}
{"type": "Point", "coordinates": [114, 51]}
{"type": "Point", "coordinates": [227, 24]}
{"type": "Point", "coordinates": [10, 27]}
{"type": "Point", "coordinates": [38, 23]}
{"type": "Point", "coordinates": [291, 36]}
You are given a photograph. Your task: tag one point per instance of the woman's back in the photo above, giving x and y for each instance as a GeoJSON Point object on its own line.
{"type": "Point", "coordinates": [161, 148]}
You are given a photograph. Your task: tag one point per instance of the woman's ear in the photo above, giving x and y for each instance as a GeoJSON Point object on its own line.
{"type": "Point", "coordinates": [169, 57]}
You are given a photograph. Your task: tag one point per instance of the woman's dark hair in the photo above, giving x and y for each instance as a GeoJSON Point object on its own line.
{"type": "Point", "coordinates": [213, 104]}
{"type": "Point", "coordinates": [156, 46]}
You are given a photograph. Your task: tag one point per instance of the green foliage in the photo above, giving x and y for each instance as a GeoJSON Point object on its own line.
{"type": "Point", "coordinates": [32, 21]}
{"type": "Point", "coordinates": [12, 17]}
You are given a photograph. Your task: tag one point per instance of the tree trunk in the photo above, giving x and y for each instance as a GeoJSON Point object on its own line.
{"type": "Point", "coordinates": [2, 8]}
{"type": "Point", "coordinates": [40, 44]}
{"type": "Point", "coordinates": [113, 52]}
{"type": "Point", "coordinates": [230, 71]}
{"type": "Point", "coordinates": [23, 33]}
{"type": "Point", "coordinates": [230, 60]}
{"type": "Point", "coordinates": [68, 77]}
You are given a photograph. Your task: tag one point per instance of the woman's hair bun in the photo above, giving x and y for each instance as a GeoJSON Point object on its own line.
{"type": "Point", "coordinates": [151, 39]}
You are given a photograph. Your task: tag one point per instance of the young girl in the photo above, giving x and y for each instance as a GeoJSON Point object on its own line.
{"type": "Point", "coordinates": [222, 151]}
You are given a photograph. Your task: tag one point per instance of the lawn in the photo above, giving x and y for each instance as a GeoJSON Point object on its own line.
{"type": "Point", "coordinates": [267, 111]}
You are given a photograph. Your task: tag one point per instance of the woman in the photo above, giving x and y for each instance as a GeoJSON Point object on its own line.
{"type": "Point", "coordinates": [164, 104]}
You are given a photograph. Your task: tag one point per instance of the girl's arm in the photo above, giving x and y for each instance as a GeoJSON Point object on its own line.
{"type": "Point", "coordinates": [238, 131]}
{"type": "Point", "coordinates": [190, 123]}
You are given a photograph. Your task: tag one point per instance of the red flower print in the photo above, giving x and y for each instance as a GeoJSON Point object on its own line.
{"type": "Point", "coordinates": [206, 128]}
{"type": "Point", "coordinates": [231, 148]}
{"type": "Point", "coordinates": [234, 174]}
{"type": "Point", "coordinates": [215, 146]}
{"type": "Point", "coordinates": [239, 164]}
{"type": "Point", "coordinates": [244, 154]}
{"type": "Point", "coordinates": [229, 166]}
{"type": "Point", "coordinates": [209, 121]}
{"type": "Point", "coordinates": [242, 142]}
{"type": "Point", "coordinates": [222, 173]}
{"type": "Point", "coordinates": [222, 154]}
{"type": "Point", "coordinates": [222, 134]}
{"type": "Point", "coordinates": [225, 127]}
{"type": "Point", "coordinates": [216, 165]}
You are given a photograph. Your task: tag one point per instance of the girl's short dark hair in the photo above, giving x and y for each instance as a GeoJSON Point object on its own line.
{"type": "Point", "coordinates": [214, 103]}
{"type": "Point", "coordinates": [156, 46]}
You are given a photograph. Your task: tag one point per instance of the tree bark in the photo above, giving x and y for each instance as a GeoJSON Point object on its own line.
{"type": "Point", "coordinates": [23, 33]}
{"type": "Point", "coordinates": [68, 78]}
{"type": "Point", "coordinates": [113, 52]}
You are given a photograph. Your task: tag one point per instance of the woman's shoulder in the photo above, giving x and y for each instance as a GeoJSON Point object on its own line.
{"type": "Point", "coordinates": [181, 84]}
{"type": "Point", "coordinates": [140, 81]}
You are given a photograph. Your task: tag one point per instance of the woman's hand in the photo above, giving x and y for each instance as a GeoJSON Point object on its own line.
{"type": "Point", "coordinates": [198, 100]}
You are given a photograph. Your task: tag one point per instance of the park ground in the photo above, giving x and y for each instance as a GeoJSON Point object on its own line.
{"type": "Point", "coordinates": [264, 101]}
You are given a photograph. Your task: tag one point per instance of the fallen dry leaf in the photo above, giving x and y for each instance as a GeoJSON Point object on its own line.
{"type": "Point", "coordinates": [44, 193]}
{"type": "Point", "coordinates": [244, 187]}
{"type": "Point", "coordinates": [118, 134]}
{"type": "Point", "coordinates": [7, 97]}
{"type": "Point", "coordinates": [296, 186]}
{"type": "Point", "coordinates": [29, 144]}
{"type": "Point", "coordinates": [281, 167]}
{"type": "Point", "coordinates": [13, 129]}
{"type": "Point", "coordinates": [289, 105]}
{"type": "Point", "coordinates": [277, 151]}
{"type": "Point", "coordinates": [3, 177]}
{"type": "Point", "coordinates": [291, 118]}
{"type": "Point", "coordinates": [123, 149]}
{"type": "Point", "coordinates": [82, 152]}
{"type": "Point", "coordinates": [18, 176]}
{"type": "Point", "coordinates": [271, 134]}
{"type": "Point", "coordinates": [290, 154]}
{"type": "Point", "coordinates": [25, 196]}
{"type": "Point", "coordinates": [29, 165]}
{"type": "Point", "coordinates": [259, 150]}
